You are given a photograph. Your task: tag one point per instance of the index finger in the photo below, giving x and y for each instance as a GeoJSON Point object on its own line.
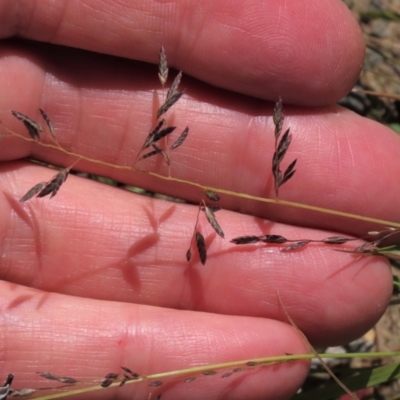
{"type": "Point", "coordinates": [102, 111]}
{"type": "Point", "coordinates": [308, 52]}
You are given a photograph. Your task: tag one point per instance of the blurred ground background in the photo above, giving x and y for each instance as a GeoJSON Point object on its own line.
{"type": "Point", "coordinates": [380, 22]}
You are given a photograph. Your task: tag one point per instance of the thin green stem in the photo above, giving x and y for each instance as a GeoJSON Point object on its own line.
{"type": "Point", "coordinates": [214, 189]}
{"type": "Point", "coordinates": [196, 371]}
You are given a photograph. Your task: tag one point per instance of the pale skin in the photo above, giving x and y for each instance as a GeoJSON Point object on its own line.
{"type": "Point", "coordinates": [97, 278]}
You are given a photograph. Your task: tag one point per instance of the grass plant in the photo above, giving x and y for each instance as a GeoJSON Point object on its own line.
{"type": "Point", "coordinates": [156, 144]}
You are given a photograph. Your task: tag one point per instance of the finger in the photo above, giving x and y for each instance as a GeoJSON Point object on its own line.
{"type": "Point", "coordinates": [310, 53]}
{"type": "Point", "coordinates": [105, 116]}
{"type": "Point", "coordinates": [97, 241]}
{"type": "Point", "coordinates": [87, 339]}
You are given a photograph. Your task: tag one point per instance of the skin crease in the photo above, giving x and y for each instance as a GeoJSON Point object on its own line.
{"type": "Point", "coordinates": [97, 278]}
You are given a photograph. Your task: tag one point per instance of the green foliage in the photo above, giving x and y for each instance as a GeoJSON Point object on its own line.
{"type": "Point", "coordinates": [360, 379]}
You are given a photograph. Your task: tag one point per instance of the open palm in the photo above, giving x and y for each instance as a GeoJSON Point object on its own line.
{"type": "Point", "coordinates": [97, 277]}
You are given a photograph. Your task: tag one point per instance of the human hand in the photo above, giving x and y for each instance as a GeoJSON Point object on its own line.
{"type": "Point", "coordinates": [97, 277]}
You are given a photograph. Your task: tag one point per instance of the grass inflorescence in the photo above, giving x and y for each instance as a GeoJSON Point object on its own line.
{"type": "Point", "coordinates": [155, 144]}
